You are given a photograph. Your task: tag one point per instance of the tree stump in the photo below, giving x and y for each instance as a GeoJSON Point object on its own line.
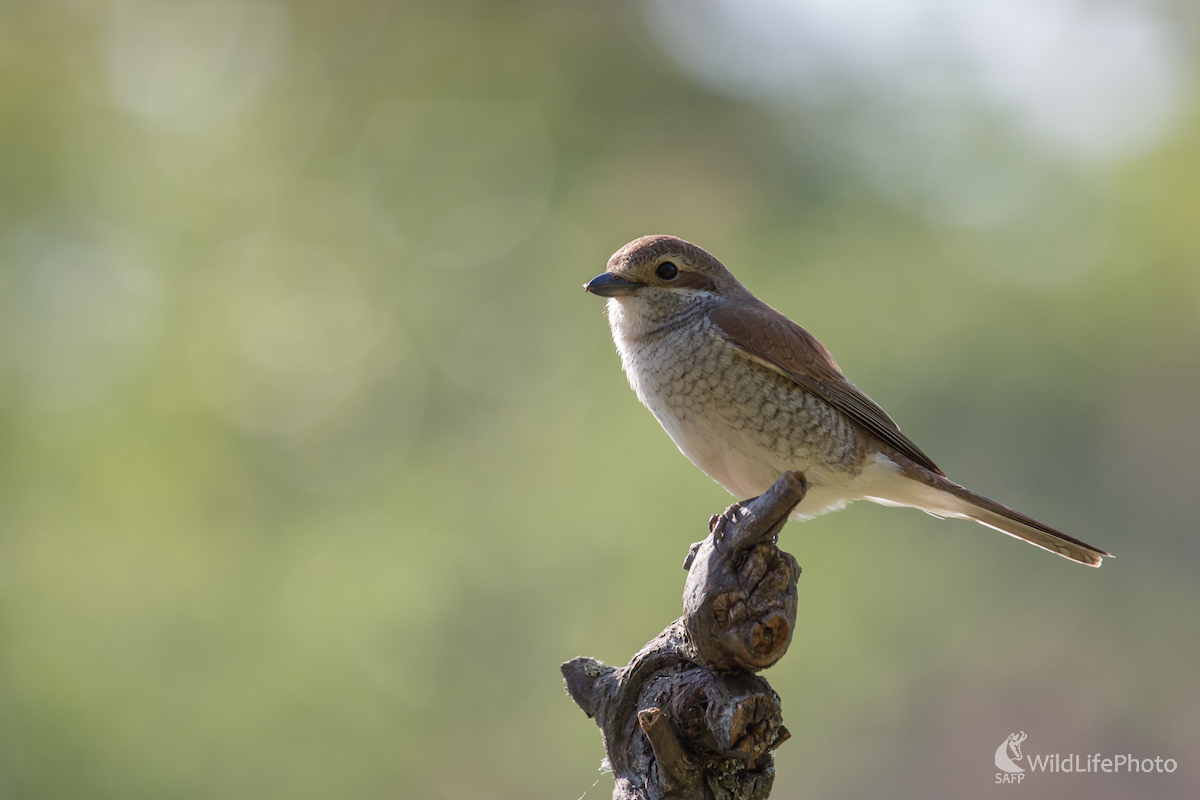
{"type": "Point", "coordinates": [687, 717]}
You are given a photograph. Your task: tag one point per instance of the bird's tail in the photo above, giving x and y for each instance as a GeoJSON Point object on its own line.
{"type": "Point", "coordinates": [948, 499]}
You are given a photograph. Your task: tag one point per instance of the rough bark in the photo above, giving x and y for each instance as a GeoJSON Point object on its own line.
{"type": "Point", "coordinates": [687, 717]}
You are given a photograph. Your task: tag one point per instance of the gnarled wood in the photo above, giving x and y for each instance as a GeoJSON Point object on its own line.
{"type": "Point", "coordinates": [739, 603]}
{"type": "Point", "coordinates": [687, 717]}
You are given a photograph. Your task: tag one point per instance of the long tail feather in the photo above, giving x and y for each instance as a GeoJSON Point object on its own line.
{"type": "Point", "coordinates": [959, 501]}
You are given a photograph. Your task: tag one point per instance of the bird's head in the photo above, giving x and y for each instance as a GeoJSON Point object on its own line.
{"type": "Point", "coordinates": [655, 279]}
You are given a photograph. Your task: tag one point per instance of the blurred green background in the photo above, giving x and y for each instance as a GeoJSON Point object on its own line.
{"type": "Point", "coordinates": [316, 460]}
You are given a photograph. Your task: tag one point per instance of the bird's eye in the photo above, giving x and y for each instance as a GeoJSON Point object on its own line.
{"type": "Point", "coordinates": [667, 271]}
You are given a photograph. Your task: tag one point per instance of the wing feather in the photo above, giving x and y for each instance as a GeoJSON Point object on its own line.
{"type": "Point", "coordinates": [774, 340]}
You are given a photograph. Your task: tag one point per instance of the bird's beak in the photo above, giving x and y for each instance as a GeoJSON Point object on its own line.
{"type": "Point", "coordinates": [609, 285]}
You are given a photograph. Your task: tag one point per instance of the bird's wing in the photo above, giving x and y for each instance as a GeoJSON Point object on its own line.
{"type": "Point", "coordinates": [775, 341]}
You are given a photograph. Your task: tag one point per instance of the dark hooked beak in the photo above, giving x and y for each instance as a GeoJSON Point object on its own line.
{"type": "Point", "coordinates": [609, 285]}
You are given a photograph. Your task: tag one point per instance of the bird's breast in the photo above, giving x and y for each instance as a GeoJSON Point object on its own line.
{"type": "Point", "coordinates": [739, 421]}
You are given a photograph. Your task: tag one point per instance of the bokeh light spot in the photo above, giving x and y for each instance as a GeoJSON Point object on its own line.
{"type": "Point", "coordinates": [456, 184]}
{"type": "Point", "coordinates": [188, 64]}
{"type": "Point", "coordinates": [78, 311]}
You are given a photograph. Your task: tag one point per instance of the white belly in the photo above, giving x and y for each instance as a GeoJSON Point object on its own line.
{"type": "Point", "coordinates": [747, 473]}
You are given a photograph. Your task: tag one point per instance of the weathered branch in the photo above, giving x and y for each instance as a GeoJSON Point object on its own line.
{"type": "Point", "coordinates": [739, 602]}
{"type": "Point", "coordinates": [687, 718]}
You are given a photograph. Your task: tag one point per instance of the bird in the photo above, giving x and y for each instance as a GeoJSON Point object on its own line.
{"type": "Point", "coordinates": [747, 395]}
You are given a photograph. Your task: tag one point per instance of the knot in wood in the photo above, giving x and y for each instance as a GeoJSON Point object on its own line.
{"type": "Point", "coordinates": [739, 603]}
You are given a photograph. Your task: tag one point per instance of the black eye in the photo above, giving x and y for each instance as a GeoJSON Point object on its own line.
{"type": "Point", "coordinates": [667, 271]}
